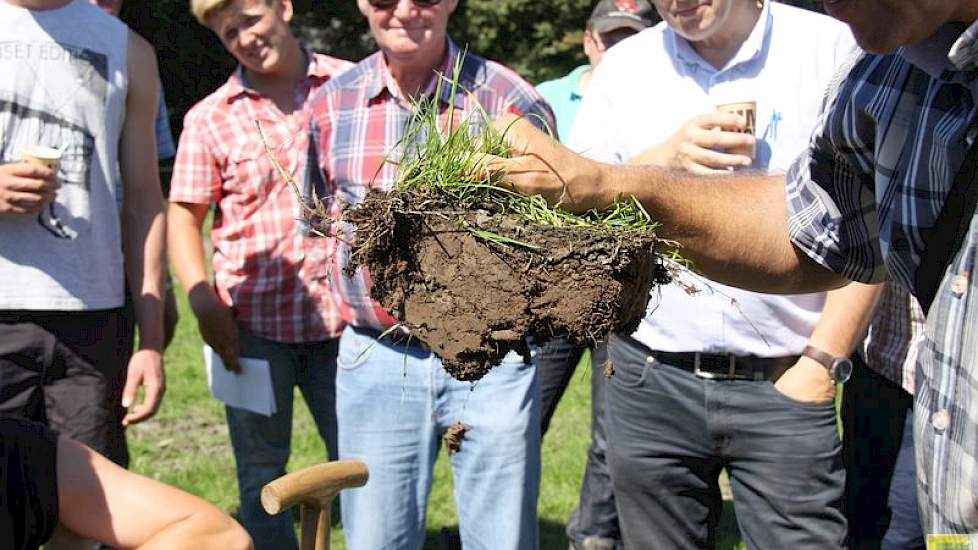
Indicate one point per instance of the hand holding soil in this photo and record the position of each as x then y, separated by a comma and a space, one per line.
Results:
551, 170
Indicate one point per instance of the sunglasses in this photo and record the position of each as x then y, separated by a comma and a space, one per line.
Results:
388, 4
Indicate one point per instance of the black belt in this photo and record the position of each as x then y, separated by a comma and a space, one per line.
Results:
724, 366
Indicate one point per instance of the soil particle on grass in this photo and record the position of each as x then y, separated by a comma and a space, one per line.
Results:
453, 437
472, 284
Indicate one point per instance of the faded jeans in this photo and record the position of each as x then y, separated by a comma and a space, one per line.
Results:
394, 403
262, 444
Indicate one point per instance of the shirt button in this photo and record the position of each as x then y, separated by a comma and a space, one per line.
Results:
650, 359
940, 420
959, 285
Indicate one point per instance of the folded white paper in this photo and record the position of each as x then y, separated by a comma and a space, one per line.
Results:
250, 389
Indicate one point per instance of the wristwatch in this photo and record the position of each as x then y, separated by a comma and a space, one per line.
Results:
840, 368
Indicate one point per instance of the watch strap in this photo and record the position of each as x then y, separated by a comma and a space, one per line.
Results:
821, 357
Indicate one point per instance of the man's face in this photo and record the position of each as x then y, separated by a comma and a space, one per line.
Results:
596, 44
254, 32
112, 7
408, 30
696, 20
881, 26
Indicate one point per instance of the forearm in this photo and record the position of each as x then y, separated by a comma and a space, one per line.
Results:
736, 232
144, 232
144, 227
845, 318
186, 245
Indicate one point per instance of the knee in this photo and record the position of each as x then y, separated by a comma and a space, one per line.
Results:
224, 532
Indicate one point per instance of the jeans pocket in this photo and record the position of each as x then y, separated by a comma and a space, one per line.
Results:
814, 405
627, 374
354, 350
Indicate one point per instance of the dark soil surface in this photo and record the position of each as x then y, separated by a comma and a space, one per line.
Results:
471, 300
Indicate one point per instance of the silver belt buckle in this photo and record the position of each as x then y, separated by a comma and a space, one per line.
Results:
731, 369
697, 372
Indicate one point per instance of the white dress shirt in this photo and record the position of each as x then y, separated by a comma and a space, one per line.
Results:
650, 85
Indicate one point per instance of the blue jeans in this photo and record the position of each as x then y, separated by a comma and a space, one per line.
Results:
394, 402
262, 444
671, 432
904, 531
881, 481
596, 516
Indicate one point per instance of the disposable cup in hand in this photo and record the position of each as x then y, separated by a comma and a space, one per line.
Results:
748, 110
41, 156
49, 157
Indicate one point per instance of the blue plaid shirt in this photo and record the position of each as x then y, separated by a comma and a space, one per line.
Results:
358, 122
893, 134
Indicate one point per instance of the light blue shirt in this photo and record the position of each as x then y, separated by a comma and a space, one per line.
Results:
564, 96
651, 84
164, 137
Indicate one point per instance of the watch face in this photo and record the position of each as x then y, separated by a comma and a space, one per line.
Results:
842, 370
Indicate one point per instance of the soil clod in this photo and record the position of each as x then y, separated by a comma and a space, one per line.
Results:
453, 437
472, 284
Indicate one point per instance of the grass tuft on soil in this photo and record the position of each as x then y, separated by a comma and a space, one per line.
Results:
472, 269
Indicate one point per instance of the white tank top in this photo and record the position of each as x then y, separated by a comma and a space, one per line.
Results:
63, 84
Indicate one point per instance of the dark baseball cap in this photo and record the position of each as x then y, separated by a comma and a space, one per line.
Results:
609, 15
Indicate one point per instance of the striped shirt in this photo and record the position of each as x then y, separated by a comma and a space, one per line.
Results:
359, 118
895, 334
893, 135
273, 274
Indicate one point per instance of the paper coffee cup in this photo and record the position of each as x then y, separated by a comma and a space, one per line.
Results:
41, 156
748, 110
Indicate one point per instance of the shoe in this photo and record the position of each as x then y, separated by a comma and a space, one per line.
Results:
595, 543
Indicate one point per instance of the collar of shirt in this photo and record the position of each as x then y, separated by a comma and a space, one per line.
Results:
751, 49
238, 85
381, 80
947, 54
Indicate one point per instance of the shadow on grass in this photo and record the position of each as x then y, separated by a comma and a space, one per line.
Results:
553, 537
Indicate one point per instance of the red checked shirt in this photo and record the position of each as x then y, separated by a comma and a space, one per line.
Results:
267, 266
360, 117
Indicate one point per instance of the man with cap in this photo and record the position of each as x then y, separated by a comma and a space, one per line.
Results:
611, 21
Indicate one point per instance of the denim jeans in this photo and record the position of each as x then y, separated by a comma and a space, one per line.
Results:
671, 432
596, 516
881, 482
394, 402
262, 444
904, 531
556, 365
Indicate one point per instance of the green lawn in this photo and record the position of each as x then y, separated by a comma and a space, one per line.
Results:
187, 445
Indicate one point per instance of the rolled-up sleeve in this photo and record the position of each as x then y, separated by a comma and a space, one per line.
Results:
832, 205
832, 208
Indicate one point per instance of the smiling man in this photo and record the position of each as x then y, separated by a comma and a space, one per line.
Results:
721, 348
271, 299
394, 398
883, 190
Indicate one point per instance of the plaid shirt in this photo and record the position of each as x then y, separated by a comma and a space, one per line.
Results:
895, 334
358, 119
894, 133
273, 274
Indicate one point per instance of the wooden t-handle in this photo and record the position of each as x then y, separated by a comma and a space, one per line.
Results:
314, 488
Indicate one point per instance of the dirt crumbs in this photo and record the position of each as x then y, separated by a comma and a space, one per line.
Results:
473, 283
453, 437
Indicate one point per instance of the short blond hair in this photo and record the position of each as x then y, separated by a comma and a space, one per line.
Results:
203, 9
